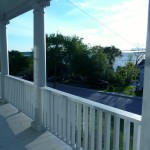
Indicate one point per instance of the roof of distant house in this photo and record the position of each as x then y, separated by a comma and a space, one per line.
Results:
141, 64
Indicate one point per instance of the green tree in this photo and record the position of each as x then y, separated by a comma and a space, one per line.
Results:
124, 75
112, 53
18, 63
62, 52
80, 64
58, 53
68, 55
29, 70
120, 76
132, 72
99, 61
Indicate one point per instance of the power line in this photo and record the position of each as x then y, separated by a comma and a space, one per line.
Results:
96, 20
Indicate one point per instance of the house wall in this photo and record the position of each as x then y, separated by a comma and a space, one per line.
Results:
141, 79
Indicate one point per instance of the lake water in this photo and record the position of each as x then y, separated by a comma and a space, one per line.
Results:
128, 56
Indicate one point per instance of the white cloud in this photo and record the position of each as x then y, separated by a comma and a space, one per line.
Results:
128, 19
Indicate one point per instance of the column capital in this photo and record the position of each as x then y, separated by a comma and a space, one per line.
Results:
41, 3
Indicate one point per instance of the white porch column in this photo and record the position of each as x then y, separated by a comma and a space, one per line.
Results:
39, 62
145, 129
3, 57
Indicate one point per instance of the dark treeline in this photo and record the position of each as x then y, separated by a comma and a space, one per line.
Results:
69, 58
19, 64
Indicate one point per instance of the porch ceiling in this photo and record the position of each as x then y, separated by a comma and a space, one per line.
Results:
13, 8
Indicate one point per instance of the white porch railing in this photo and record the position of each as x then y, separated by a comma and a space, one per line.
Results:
20, 93
89, 125
81, 123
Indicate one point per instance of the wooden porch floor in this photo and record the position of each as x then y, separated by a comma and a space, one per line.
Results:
16, 133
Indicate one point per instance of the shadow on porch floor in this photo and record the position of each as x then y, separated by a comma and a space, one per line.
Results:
16, 133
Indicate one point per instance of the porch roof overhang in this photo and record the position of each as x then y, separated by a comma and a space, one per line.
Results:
10, 9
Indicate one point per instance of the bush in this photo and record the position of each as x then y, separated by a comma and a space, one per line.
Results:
111, 88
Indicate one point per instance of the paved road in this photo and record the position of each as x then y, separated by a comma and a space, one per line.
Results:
131, 104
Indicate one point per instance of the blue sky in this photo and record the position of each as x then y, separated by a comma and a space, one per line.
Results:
122, 23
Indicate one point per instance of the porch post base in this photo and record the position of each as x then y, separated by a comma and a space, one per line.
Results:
3, 101
37, 127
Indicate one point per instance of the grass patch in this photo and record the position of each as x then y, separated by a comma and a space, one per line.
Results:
127, 90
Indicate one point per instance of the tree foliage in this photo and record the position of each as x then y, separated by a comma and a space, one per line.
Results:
64, 55
18, 63
80, 63
99, 61
124, 75
68, 56
112, 53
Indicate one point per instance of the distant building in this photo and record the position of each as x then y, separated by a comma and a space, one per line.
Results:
27, 54
141, 74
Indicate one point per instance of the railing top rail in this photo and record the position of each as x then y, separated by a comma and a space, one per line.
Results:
19, 79
115, 111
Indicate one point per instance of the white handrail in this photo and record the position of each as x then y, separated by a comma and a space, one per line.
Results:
115, 111
19, 79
